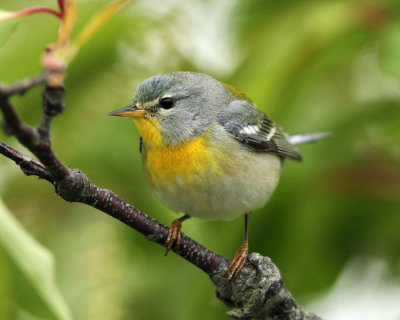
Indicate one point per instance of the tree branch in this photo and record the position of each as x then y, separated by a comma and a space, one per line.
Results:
23, 85
28, 166
258, 292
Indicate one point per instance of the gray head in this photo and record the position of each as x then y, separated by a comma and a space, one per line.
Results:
181, 104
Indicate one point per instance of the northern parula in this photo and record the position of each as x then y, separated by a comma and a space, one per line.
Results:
207, 151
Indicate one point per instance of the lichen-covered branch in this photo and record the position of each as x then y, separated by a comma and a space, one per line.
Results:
258, 292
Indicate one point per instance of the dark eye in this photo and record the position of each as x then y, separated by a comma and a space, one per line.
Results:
167, 103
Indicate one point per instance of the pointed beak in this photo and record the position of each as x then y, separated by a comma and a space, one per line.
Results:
130, 111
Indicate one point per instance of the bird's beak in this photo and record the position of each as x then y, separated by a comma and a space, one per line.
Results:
130, 111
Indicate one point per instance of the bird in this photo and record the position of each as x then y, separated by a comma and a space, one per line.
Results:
208, 151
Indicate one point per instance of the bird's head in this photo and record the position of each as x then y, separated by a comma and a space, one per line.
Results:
171, 109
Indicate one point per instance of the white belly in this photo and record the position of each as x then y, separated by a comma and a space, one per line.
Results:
242, 184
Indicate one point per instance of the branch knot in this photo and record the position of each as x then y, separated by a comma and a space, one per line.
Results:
53, 103
74, 187
258, 292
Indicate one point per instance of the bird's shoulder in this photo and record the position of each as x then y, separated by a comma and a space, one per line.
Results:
248, 125
236, 94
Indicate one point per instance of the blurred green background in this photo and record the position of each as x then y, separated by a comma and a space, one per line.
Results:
310, 65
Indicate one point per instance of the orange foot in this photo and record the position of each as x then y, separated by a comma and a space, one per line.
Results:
174, 235
238, 261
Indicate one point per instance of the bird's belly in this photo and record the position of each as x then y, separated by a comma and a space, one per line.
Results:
213, 186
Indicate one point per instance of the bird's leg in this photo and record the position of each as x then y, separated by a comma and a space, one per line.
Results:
174, 233
240, 257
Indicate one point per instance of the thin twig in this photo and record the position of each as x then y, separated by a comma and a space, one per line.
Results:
25, 12
29, 166
31, 139
23, 85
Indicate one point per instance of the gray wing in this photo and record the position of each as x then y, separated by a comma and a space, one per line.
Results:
253, 128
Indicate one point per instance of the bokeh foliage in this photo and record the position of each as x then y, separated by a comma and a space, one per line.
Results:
310, 65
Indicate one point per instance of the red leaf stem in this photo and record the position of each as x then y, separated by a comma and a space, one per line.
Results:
31, 11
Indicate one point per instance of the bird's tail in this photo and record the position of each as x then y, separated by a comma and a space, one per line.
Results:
300, 138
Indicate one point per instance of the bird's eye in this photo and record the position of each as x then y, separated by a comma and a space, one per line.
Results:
167, 103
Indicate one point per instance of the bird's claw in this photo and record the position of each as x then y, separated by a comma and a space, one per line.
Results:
238, 261
174, 235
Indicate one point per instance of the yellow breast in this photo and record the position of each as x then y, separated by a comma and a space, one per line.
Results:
187, 161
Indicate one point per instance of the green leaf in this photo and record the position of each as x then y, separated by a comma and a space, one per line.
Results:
7, 27
34, 261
